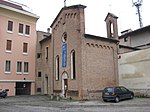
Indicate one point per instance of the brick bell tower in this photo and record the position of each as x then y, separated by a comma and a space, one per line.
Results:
111, 26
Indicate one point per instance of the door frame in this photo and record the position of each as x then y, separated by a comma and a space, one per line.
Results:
23, 88
46, 84
64, 80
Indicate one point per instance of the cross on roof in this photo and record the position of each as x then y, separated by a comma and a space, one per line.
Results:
64, 3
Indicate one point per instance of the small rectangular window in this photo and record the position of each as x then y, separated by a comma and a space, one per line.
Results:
38, 89
26, 67
20, 28
8, 45
39, 74
7, 66
46, 54
19, 67
25, 47
27, 30
39, 55
73, 67
10, 26
125, 39
57, 67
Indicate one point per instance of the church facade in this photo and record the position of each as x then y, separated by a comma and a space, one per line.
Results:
79, 65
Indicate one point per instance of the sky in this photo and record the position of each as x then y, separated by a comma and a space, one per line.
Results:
95, 13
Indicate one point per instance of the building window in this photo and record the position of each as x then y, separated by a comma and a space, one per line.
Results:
7, 66
25, 48
38, 89
19, 67
20, 28
10, 26
26, 67
8, 45
64, 37
46, 53
73, 68
27, 30
39, 55
125, 39
111, 29
39, 74
57, 67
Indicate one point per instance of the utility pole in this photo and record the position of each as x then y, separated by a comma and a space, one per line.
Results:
138, 4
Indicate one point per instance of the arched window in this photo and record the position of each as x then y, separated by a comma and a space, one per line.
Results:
111, 29
57, 67
75, 15
64, 37
73, 68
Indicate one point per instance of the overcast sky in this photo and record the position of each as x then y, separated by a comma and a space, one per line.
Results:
95, 13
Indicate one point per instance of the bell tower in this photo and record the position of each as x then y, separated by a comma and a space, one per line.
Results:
111, 26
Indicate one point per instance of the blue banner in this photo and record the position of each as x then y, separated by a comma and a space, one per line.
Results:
64, 55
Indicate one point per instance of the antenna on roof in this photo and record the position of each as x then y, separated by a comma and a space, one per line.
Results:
138, 4
64, 3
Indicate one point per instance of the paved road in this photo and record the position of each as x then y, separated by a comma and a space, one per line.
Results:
39, 103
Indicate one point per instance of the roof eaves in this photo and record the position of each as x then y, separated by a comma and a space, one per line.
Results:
19, 11
134, 48
111, 14
47, 37
101, 38
146, 28
11, 4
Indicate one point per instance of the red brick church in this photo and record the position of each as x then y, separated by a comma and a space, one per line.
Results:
73, 63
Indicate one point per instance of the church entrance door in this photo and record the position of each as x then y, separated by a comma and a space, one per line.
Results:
64, 84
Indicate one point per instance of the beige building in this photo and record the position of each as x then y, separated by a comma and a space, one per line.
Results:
138, 38
79, 65
43, 62
134, 71
133, 64
17, 49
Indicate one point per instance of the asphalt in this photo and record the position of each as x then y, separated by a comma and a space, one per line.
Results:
43, 100
39, 103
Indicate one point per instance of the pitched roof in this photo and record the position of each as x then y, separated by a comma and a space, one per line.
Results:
111, 14
129, 47
101, 38
47, 37
64, 8
17, 7
143, 29
11, 4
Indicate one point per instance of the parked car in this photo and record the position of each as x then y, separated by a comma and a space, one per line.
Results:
116, 94
3, 93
